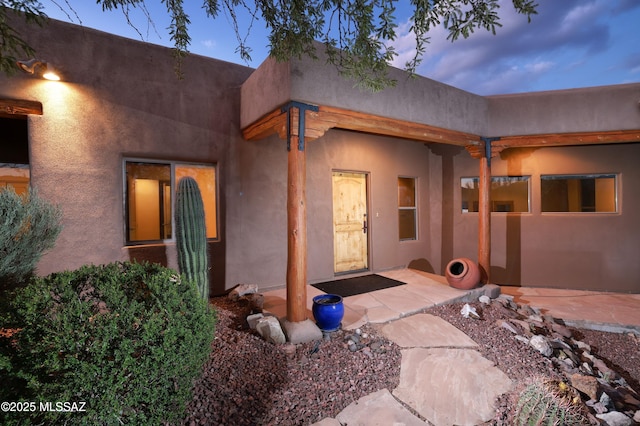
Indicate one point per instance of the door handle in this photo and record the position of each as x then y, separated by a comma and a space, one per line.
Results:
364, 224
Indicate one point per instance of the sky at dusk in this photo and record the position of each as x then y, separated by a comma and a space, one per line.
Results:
569, 44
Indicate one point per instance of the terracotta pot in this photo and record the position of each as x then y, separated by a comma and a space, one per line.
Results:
463, 273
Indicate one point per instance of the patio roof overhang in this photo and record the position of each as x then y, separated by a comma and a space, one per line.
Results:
300, 101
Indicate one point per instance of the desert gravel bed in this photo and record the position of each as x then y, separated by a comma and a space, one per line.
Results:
248, 381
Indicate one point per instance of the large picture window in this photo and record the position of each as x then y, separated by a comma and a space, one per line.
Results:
508, 194
407, 209
579, 193
149, 194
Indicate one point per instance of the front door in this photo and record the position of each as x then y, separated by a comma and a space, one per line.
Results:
350, 222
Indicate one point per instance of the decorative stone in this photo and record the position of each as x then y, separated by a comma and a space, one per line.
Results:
588, 385
636, 417
484, 299
561, 330
615, 418
507, 325
541, 344
241, 290
492, 290
252, 320
469, 311
270, 330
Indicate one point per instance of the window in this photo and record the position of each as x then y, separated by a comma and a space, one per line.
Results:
149, 198
579, 193
14, 154
508, 194
407, 209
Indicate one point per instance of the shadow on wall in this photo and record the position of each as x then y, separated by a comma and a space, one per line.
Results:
421, 264
158, 254
447, 153
153, 254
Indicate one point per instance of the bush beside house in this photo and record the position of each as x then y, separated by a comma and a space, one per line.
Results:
122, 342
125, 339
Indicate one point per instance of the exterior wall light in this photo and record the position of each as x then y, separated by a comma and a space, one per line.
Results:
46, 71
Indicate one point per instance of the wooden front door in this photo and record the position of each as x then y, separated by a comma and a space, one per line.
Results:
350, 222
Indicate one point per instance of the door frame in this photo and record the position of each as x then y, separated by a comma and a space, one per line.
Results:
367, 177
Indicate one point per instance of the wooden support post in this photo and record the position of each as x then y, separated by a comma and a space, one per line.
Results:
297, 234
484, 219
296, 211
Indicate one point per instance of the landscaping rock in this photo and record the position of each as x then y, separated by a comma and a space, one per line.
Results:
588, 385
241, 290
270, 330
541, 344
491, 290
615, 418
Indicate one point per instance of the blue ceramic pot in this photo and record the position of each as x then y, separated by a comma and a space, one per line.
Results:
328, 311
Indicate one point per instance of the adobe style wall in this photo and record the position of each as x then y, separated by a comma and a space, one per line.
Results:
257, 200
120, 98
594, 251
590, 109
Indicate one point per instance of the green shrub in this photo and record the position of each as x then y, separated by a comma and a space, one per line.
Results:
29, 226
127, 339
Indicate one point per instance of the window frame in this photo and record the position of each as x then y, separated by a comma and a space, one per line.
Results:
559, 176
172, 175
413, 208
527, 178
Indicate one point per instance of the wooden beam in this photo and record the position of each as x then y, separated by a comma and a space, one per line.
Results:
330, 117
20, 107
570, 139
274, 122
318, 123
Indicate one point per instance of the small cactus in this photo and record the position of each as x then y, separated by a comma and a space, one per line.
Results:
549, 402
191, 235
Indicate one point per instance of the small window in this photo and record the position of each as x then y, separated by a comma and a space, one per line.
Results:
407, 209
579, 193
149, 198
509, 194
14, 154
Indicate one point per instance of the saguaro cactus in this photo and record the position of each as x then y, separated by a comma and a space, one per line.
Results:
191, 235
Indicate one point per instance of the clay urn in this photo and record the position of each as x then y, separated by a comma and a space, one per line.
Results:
463, 274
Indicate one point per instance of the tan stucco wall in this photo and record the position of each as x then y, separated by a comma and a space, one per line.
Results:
597, 251
418, 99
590, 109
119, 98
257, 235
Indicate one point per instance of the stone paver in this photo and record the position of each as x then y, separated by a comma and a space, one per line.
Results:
425, 330
377, 409
450, 386
442, 376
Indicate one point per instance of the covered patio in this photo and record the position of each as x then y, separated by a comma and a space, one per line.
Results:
289, 100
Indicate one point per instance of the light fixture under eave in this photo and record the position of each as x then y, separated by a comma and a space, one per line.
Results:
45, 70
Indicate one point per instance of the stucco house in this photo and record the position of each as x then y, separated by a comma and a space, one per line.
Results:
374, 181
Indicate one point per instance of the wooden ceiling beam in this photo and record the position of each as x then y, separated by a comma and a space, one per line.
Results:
20, 107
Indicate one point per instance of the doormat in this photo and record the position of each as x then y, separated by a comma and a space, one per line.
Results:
357, 285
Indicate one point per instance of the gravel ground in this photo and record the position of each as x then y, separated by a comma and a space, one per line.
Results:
248, 381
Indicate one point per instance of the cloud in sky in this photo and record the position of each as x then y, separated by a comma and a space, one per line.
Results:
565, 39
